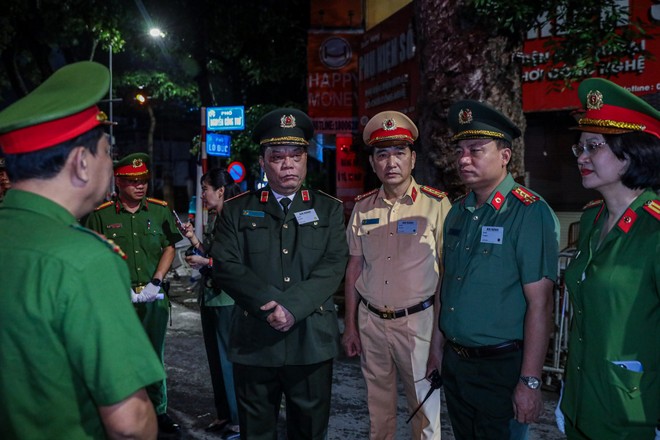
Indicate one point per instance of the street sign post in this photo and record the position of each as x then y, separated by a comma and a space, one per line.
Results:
225, 118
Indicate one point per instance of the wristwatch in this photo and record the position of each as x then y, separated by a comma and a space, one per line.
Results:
155, 281
531, 382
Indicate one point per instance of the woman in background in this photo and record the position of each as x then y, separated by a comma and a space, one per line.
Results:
215, 305
612, 388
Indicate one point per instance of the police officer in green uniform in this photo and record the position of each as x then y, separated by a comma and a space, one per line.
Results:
74, 360
146, 230
281, 255
500, 256
613, 371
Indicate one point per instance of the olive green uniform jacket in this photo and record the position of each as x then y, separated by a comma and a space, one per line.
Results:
260, 255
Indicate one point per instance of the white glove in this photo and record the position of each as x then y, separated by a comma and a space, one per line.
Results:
657, 434
134, 296
149, 294
559, 415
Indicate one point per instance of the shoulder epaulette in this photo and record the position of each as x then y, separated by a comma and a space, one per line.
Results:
524, 195
593, 203
104, 205
653, 208
365, 195
433, 192
109, 243
157, 201
328, 195
238, 195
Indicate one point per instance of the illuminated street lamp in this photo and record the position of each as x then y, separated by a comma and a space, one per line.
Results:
156, 33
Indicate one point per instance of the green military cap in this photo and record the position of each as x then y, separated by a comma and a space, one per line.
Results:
133, 165
283, 126
470, 119
62, 108
611, 109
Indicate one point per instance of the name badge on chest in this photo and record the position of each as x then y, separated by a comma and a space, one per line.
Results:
406, 227
492, 234
306, 216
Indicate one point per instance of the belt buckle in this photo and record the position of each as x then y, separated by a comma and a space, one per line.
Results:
387, 314
461, 351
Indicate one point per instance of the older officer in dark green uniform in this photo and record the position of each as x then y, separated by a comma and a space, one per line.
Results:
74, 360
146, 230
281, 254
500, 255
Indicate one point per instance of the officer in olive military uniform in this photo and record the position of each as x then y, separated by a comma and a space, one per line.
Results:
73, 356
500, 253
146, 230
281, 254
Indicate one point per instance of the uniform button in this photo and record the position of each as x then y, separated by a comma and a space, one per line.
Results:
114, 235
285, 226
580, 339
245, 313
475, 218
134, 233
453, 339
578, 282
459, 278
467, 248
139, 269
485, 252
254, 225
579, 312
285, 251
391, 233
451, 309
287, 279
578, 368
316, 223
387, 282
137, 252
634, 388
389, 258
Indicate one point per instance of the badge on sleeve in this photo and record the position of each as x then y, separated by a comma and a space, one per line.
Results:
492, 234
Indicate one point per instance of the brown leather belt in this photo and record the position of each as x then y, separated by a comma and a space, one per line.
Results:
393, 314
486, 350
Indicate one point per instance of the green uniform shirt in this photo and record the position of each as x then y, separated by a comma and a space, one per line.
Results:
69, 339
615, 291
490, 252
262, 255
142, 235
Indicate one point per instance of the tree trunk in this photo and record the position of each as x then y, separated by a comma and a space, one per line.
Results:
461, 59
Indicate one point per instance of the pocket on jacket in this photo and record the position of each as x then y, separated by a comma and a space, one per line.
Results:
625, 394
255, 233
314, 234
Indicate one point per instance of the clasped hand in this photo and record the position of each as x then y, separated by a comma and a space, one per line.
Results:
279, 318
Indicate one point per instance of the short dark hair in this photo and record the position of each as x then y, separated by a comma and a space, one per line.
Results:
643, 152
47, 163
220, 178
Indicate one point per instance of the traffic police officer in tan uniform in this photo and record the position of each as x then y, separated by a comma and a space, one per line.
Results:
392, 280
281, 254
145, 229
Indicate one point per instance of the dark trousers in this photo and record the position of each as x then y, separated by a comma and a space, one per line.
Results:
479, 396
307, 389
154, 317
215, 328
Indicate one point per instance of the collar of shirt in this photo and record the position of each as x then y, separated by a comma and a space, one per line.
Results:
279, 197
411, 195
504, 188
29, 201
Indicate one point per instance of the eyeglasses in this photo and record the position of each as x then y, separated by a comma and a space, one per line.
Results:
590, 148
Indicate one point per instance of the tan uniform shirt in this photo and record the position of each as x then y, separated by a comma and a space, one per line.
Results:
401, 243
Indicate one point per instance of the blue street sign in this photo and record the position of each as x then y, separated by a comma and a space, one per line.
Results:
225, 118
218, 144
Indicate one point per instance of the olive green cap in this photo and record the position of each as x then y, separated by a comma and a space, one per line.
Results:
283, 126
611, 109
133, 165
470, 119
62, 108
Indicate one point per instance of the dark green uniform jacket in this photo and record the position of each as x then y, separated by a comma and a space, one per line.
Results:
259, 256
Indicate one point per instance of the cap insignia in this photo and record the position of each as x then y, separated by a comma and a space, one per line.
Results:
465, 116
101, 116
594, 100
287, 121
389, 124
137, 163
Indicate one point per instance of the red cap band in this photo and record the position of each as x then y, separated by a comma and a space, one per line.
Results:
137, 168
44, 135
382, 135
617, 117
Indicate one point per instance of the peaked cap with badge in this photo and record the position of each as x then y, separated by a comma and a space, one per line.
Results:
611, 109
283, 126
132, 165
389, 128
470, 119
62, 108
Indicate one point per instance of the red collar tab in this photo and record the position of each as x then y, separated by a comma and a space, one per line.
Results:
305, 195
653, 208
524, 195
629, 217
498, 200
264, 197
50, 133
413, 194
